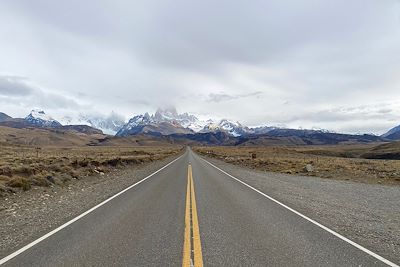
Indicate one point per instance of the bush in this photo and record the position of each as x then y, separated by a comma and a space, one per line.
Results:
84, 163
19, 182
5, 170
55, 168
113, 162
4, 178
95, 163
39, 180
24, 170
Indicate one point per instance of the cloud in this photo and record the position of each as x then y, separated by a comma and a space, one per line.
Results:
303, 61
14, 86
219, 97
352, 119
23, 93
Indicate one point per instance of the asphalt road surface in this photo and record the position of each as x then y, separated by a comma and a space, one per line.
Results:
192, 214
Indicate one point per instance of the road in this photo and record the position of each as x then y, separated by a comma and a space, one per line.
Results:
191, 213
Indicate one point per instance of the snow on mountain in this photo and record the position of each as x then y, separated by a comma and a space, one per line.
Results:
41, 119
167, 114
108, 124
185, 120
224, 125
168, 120
137, 120
164, 121
154, 124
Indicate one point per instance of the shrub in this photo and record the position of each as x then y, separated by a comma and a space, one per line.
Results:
55, 168
24, 170
39, 180
5, 170
19, 182
95, 163
84, 163
4, 178
113, 162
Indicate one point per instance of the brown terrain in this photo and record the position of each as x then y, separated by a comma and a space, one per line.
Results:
66, 137
42, 157
367, 163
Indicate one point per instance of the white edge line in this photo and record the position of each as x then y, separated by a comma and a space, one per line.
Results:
19, 251
373, 254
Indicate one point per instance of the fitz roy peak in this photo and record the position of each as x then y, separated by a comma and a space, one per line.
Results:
163, 122
169, 121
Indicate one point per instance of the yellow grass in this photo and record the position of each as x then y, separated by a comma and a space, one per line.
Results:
24, 167
325, 161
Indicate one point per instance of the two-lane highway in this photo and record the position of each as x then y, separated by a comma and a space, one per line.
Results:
192, 213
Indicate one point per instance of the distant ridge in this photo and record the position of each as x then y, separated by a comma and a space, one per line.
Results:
39, 119
186, 128
4, 117
393, 134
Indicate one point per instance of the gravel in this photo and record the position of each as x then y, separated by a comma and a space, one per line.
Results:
25, 216
365, 213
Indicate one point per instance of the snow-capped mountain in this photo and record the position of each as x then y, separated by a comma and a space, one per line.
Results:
185, 128
185, 120
224, 125
146, 124
138, 120
169, 121
40, 119
110, 124
164, 121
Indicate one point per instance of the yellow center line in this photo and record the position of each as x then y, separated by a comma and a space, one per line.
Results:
187, 241
191, 228
198, 256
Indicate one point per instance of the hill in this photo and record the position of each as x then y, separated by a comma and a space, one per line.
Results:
46, 137
4, 117
393, 134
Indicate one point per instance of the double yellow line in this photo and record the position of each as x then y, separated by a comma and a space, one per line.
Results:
191, 257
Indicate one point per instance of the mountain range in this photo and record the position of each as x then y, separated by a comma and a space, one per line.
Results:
109, 125
186, 128
168, 121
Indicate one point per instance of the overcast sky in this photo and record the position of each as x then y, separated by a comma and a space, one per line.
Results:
324, 64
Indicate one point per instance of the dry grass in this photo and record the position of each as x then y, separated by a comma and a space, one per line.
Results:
338, 162
22, 167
